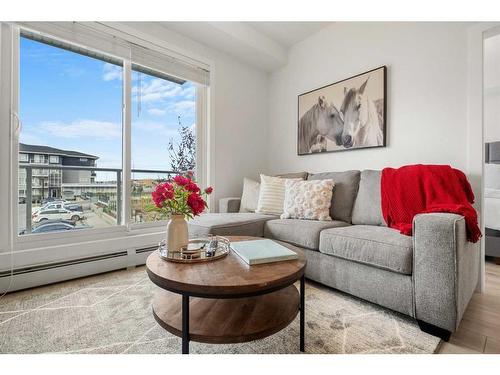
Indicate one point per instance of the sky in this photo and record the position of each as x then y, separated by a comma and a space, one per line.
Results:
74, 102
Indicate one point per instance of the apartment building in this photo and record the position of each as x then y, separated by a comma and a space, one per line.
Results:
51, 182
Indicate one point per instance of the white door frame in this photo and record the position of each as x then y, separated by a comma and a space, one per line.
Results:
475, 128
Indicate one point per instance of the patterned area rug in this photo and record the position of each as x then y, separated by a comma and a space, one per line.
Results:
111, 313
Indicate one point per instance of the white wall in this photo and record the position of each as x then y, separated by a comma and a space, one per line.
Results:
426, 93
492, 89
240, 118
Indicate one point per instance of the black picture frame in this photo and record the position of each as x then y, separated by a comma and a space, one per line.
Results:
316, 92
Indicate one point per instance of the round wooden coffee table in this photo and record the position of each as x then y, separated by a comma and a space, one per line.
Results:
227, 301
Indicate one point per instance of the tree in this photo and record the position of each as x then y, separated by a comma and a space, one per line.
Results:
183, 154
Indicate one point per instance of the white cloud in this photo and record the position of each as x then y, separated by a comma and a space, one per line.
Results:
189, 92
29, 138
156, 90
112, 72
183, 107
83, 128
156, 111
157, 128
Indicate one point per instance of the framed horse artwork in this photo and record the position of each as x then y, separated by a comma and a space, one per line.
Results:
345, 115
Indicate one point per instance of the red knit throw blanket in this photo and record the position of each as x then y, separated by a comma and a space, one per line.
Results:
416, 189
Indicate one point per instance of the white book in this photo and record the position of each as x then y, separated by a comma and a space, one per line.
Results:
262, 251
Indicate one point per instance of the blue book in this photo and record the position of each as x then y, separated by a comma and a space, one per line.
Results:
262, 251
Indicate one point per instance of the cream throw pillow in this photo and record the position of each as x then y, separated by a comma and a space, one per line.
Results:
308, 199
272, 194
250, 196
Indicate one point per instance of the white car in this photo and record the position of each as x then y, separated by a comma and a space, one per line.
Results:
56, 214
54, 205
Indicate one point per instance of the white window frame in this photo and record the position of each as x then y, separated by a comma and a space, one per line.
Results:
127, 228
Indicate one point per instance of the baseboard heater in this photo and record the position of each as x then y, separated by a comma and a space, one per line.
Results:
48, 266
146, 250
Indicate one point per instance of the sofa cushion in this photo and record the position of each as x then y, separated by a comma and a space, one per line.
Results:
303, 233
380, 247
367, 208
344, 192
272, 195
250, 195
309, 200
251, 189
227, 224
302, 175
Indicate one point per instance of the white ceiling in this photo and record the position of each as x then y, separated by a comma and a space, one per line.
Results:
288, 33
261, 44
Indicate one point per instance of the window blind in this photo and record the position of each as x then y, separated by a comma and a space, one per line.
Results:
82, 38
149, 61
77, 38
71, 47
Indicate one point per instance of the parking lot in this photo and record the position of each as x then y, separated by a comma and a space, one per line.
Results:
94, 216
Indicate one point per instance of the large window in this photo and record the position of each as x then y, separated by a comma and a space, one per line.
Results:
100, 127
71, 110
163, 135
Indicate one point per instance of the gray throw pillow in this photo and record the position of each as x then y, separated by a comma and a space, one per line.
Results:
344, 192
302, 175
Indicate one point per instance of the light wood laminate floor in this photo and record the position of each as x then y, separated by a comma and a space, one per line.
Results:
479, 331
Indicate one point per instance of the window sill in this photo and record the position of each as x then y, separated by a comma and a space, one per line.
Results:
37, 240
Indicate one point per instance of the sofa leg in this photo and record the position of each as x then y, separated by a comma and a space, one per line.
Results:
433, 330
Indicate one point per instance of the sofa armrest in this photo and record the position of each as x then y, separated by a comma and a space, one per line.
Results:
445, 269
229, 205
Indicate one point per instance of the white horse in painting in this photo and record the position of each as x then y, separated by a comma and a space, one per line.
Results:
362, 122
321, 122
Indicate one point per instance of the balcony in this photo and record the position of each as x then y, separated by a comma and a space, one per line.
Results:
100, 202
40, 172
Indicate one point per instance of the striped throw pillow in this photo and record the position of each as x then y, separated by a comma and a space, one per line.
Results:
272, 195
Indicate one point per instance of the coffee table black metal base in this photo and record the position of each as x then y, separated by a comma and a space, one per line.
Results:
183, 330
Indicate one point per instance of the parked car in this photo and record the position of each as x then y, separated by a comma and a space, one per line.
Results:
45, 204
74, 207
51, 200
55, 226
56, 214
55, 205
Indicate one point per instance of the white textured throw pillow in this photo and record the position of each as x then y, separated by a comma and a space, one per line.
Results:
250, 196
272, 194
308, 200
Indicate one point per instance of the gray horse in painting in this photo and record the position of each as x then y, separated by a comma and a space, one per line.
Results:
362, 121
323, 121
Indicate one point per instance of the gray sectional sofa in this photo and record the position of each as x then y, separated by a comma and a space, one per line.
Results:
430, 276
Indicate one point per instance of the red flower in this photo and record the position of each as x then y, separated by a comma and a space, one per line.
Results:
209, 190
196, 202
181, 180
168, 194
162, 193
191, 186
